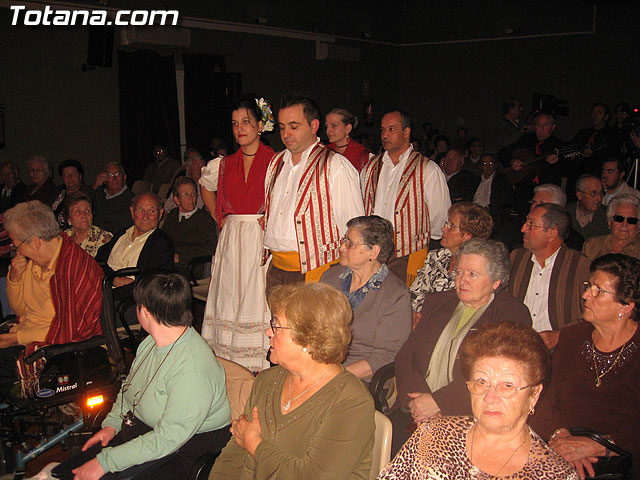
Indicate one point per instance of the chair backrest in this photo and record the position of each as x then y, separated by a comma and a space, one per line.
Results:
163, 191
382, 445
239, 382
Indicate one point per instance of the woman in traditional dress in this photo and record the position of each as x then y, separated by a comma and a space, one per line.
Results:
237, 314
339, 124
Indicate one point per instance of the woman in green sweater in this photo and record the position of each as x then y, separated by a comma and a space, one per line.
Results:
173, 405
307, 417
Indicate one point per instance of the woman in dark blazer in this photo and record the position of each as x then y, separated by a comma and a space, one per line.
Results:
380, 301
428, 376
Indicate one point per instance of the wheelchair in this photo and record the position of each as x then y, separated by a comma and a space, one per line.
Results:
75, 390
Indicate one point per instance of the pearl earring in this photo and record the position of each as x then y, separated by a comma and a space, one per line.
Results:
305, 349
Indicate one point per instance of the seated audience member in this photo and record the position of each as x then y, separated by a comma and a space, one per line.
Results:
42, 187
112, 203
143, 245
595, 368
550, 193
308, 417
162, 169
464, 221
72, 175
173, 406
613, 173
193, 164
12, 187
380, 301
428, 374
339, 124
509, 129
547, 275
462, 183
475, 149
192, 230
441, 144
588, 215
78, 214
494, 191
622, 212
504, 365
54, 287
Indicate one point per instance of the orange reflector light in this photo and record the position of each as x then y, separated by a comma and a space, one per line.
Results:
93, 401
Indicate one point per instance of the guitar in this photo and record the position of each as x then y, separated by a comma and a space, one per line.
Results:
532, 162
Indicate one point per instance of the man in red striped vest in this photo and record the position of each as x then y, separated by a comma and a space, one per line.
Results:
410, 191
310, 194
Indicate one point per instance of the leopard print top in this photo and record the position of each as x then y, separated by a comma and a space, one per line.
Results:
437, 450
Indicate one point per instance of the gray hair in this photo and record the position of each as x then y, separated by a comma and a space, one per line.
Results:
43, 161
375, 230
495, 254
118, 165
556, 217
186, 157
153, 196
557, 195
620, 199
32, 219
582, 180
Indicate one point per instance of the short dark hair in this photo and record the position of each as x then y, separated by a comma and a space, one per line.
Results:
70, 162
626, 271
511, 340
13, 165
620, 164
309, 108
508, 103
248, 102
405, 119
473, 140
167, 296
375, 230
440, 138
72, 198
184, 181
607, 110
556, 217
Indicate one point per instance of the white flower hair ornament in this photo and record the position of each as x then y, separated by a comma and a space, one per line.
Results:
267, 115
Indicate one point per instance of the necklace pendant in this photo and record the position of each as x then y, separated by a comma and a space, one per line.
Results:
598, 382
287, 406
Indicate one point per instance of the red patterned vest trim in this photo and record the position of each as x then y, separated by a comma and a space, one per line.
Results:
411, 213
316, 230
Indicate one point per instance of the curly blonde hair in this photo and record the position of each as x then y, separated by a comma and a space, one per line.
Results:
319, 317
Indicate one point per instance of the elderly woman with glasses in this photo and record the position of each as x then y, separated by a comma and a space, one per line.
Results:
622, 212
595, 370
307, 417
428, 375
464, 221
380, 301
504, 365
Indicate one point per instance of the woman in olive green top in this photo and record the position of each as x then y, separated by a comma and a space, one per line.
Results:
306, 417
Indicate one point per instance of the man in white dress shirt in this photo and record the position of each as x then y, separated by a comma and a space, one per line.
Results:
311, 193
410, 191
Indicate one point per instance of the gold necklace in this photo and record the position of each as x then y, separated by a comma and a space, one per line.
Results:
595, 365
508, 459
287, 405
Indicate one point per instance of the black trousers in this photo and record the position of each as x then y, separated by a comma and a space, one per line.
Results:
175, 465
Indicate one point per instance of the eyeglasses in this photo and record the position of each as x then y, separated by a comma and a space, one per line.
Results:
275, 327
594, 193
484, 164
188, 194
349, 244
450, 225
528, 225
480, 386
595, 289
622, 218
17, 247
111, 175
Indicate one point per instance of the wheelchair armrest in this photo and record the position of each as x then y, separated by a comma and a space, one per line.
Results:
195, 262
51, 351
376, 387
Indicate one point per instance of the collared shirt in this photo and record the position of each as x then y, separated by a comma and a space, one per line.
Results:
537, 297
623, 188
30, 299
346, 201
583, 217
483, 194
127, 249
374, 283
185, 216
435, 189
108, 196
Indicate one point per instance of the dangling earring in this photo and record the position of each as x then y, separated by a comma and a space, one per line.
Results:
532, 410
619, 316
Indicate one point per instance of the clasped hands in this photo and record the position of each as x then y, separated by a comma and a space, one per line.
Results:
580, 452
247, 433
422, 407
